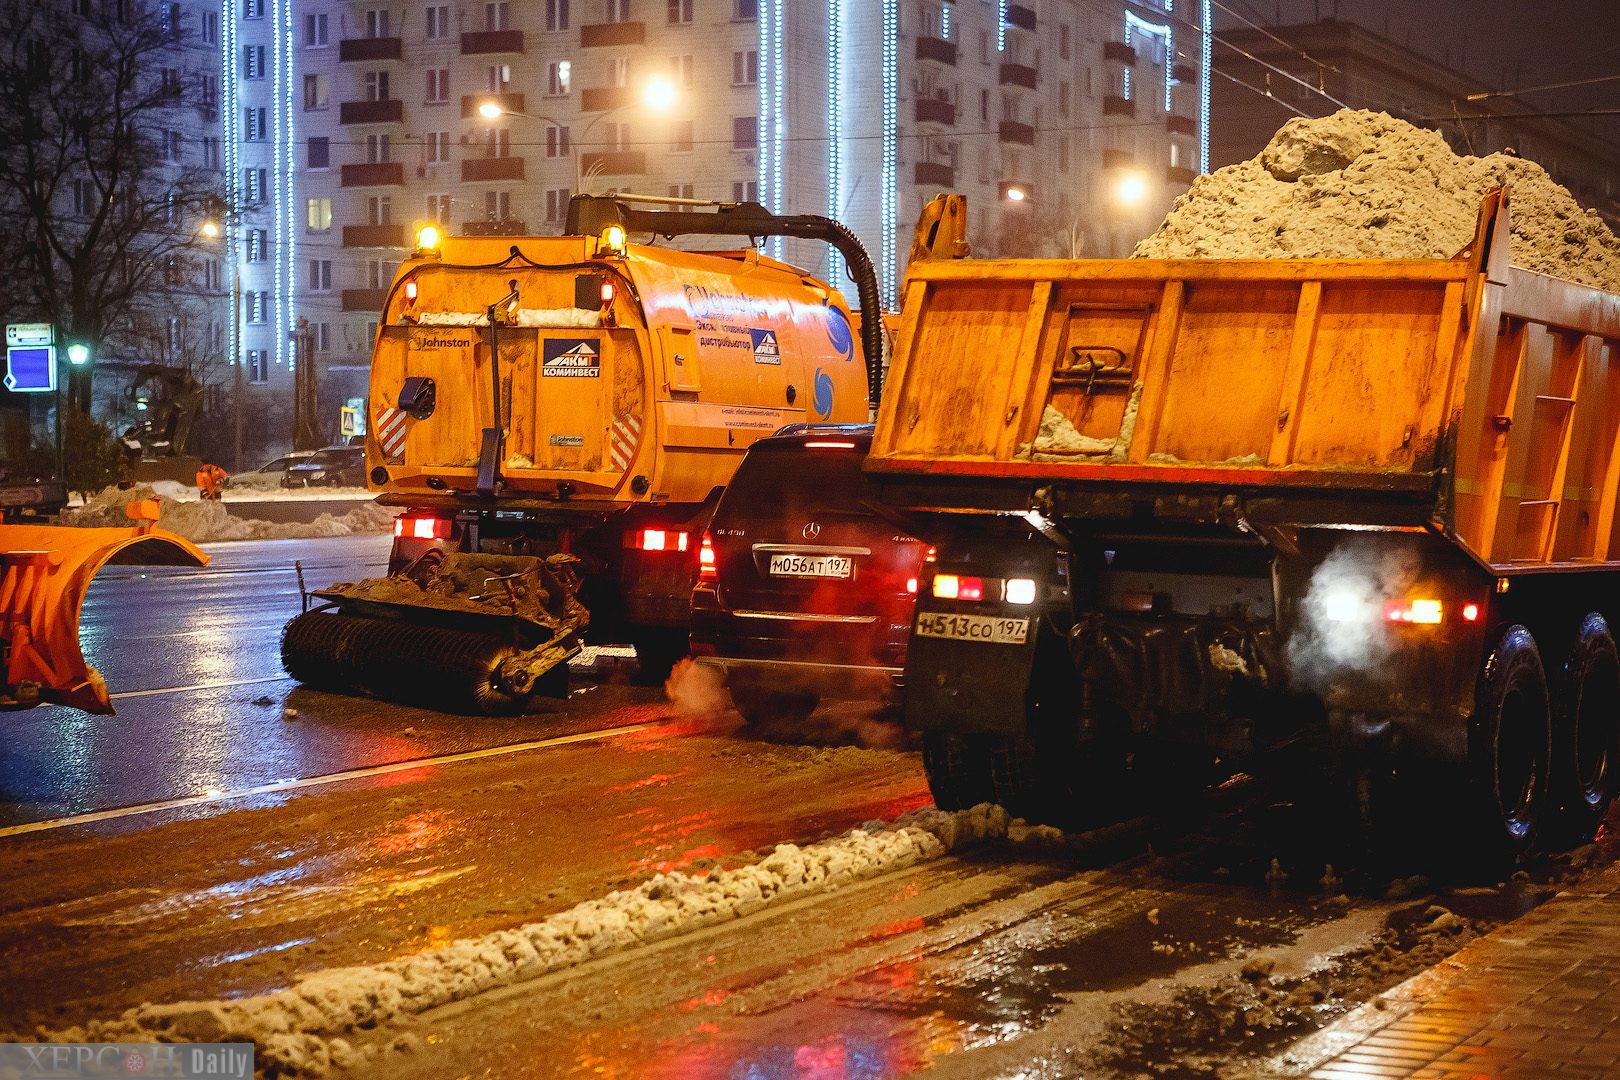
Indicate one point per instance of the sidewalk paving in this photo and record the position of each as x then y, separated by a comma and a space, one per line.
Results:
1538, 997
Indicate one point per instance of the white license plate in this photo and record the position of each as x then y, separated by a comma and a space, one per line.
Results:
972, 628
825, 566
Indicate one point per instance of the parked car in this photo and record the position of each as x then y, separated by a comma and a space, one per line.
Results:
336, 466
805, 590
271, 473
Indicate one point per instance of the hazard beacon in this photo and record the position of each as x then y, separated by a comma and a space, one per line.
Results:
557, 417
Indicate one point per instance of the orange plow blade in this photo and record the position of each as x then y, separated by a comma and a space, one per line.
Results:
46, 572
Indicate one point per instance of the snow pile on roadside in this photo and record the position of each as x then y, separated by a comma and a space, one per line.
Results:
299, 1030
1360, 185
206, 522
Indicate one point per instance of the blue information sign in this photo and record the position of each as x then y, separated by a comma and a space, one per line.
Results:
30, 369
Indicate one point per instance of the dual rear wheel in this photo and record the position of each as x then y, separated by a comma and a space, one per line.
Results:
1546, 751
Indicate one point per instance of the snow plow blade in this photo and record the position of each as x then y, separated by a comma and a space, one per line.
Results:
463, 633
47, 569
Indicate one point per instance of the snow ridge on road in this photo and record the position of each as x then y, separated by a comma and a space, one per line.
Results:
299, 1031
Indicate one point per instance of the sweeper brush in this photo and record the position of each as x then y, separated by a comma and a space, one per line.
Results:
462, 632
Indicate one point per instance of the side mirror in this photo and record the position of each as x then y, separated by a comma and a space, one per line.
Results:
418, 397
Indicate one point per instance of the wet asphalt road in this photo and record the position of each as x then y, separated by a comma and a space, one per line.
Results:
192, 660
1107, 960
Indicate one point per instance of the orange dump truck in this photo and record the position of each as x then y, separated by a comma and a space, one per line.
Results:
558, 415
1193, 516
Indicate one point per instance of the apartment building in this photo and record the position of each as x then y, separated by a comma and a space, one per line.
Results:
352, 122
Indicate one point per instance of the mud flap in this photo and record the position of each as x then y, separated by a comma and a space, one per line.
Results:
963, 687
46, 571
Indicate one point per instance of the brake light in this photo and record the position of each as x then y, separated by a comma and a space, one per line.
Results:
911, 586
1427, 612
829, 445
1470, 612
707, 570
424, 528
1020, 590
955, 587
931, 555
660, 540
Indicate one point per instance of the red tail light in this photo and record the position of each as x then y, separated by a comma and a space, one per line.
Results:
707, 570
956, 587
424, 528
829, 445
931, 555
659, 540
911, 586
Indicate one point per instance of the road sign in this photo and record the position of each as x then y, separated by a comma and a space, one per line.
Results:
30, 333
30, 369
346, 418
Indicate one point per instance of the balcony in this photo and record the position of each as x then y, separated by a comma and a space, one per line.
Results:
374, 173
940, 52
614, 163
372, 48
1175, 174
474, 170
1119, 52
1185, 73
1014, 132
613, 33
388, 111
935, 111
1114, 105
1118, 159
508, 102
364, 299
1021, 16
373, 236
934, 172
495, 227
1180, 125
604, 98
1018, 75
484, 42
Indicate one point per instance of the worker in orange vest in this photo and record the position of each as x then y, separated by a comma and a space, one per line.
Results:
211, 481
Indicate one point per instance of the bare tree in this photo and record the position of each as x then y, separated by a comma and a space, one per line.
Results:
99, 211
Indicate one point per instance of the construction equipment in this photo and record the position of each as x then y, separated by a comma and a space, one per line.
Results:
47, 569
561, 413
1192, 516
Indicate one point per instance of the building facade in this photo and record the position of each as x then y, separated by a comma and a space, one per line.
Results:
350, 123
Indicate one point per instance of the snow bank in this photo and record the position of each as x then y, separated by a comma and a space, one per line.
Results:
299, 1030
205, 522
1365, 185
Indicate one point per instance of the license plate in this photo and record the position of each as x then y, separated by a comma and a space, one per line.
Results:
985, 628
824, 566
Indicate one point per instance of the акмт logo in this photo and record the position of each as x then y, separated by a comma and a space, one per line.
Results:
571, 358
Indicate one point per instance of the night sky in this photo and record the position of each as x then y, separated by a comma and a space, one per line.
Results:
1502, 43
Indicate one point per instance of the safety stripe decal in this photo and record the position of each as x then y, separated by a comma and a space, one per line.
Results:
625, 434
391, 434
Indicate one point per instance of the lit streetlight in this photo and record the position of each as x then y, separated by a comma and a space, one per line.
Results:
1131, 189
658, 95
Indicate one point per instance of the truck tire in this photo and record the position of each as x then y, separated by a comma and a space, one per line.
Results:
1592, 711
958, 769
1512, 750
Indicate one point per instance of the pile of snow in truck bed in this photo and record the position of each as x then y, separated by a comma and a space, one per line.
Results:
1360, 184
300, 1031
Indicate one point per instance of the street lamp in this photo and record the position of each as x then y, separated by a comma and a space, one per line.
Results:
1016, 194
78, 354
658, 95
1131, 189
212, 230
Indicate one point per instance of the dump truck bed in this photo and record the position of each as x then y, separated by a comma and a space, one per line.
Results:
1464, 395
